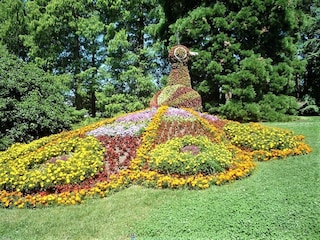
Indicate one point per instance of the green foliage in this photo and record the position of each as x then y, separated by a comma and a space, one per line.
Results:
246, 50
111, 102
118, 103
132, 64
255, 91
237, 110
278, 108
310, 110
67, 37
308, 107
190, 155
311, 52
269, 108
13, 21
256, 43
31, 102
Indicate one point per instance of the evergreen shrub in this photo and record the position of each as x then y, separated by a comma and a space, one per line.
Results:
32, 104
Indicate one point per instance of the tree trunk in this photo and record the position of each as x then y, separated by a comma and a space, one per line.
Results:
92, 88
77, 70
93, 103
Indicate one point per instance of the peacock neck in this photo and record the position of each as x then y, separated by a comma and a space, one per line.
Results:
179, 74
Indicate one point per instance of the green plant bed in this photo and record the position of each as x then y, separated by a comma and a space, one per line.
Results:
190, 155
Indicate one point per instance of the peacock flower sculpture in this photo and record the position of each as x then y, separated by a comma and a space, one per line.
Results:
170, 145
178, 91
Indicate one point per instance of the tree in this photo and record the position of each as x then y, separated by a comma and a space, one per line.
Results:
311, 52
132, 64
173, 10
31, 102
96, 42
13, 25
236, 40
66, 37
116, 49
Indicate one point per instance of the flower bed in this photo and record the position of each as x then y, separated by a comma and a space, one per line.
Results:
69, 161
265, 143
161, 148
190, 155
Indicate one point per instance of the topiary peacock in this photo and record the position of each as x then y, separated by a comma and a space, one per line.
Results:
178, 91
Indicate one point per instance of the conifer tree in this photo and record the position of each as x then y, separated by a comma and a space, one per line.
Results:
311, 52
132, 63
13, 24
248, 63
65, 37
248, 67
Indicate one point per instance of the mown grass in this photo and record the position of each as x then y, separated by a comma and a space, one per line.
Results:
279, 201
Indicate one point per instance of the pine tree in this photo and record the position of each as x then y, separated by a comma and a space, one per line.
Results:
132, 62
311, 52
247, 55
65, 37
13, 24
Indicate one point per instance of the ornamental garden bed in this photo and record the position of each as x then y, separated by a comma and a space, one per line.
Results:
161, 147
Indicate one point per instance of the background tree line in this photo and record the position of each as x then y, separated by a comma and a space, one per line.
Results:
258, 60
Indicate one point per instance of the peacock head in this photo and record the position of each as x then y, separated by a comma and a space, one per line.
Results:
180, 53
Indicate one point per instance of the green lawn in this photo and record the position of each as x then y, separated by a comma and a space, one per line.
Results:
281, 200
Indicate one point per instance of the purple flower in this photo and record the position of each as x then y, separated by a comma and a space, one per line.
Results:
119, 128
177, 112
191, 148
139, 116
209, 117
